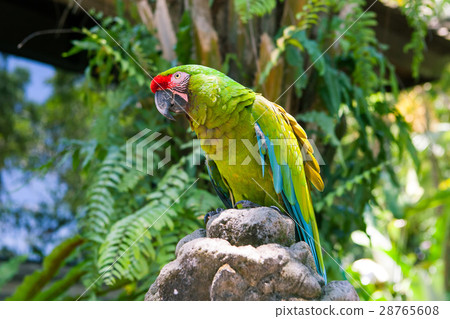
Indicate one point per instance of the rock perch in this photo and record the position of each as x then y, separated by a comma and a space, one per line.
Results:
247, 254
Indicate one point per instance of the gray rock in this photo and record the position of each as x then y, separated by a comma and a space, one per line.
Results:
227, 284
256, 227
339, 291
199, 233
231, 264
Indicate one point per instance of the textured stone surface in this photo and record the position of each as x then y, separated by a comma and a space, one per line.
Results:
256, 227
227, 284
339, 291
199, 233
230, 264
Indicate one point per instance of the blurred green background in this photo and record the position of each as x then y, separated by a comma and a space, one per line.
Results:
376, 108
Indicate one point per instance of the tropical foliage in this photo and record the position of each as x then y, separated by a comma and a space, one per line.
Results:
321, 60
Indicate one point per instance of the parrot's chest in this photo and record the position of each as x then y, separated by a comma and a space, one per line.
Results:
239, 163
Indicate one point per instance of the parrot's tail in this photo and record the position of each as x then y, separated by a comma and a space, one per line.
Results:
307, 232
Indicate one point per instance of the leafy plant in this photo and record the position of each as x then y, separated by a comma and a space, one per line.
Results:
330, 72
33, 284
416, 19
250, 8
10, 268
133, 242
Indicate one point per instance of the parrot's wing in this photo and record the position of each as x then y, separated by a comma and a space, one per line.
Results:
219, 184
312, 168
283, 150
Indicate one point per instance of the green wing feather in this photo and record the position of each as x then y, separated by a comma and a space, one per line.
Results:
290, 176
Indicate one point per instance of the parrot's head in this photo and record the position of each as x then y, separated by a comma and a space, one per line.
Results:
171, 92
176, 89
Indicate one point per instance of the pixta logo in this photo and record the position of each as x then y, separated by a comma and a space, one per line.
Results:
141, 151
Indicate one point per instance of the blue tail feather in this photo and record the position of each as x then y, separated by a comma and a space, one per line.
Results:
303, 229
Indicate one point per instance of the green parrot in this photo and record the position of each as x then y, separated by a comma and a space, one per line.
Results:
253, 146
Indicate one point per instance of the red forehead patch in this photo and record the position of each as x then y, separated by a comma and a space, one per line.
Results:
160, 82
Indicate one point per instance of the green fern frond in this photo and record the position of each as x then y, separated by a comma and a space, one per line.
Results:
413, 12
310, 13
248, 9
128, 248
130, 179
294, 36
360, 44
100, 207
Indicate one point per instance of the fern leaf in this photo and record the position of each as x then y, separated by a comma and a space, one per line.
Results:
247, 9
127, 249
100, 207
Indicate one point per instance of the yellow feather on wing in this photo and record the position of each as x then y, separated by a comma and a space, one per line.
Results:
312, 168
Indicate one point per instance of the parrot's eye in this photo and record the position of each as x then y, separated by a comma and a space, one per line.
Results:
177, 75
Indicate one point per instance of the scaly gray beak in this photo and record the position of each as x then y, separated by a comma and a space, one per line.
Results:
164, 100
167, 101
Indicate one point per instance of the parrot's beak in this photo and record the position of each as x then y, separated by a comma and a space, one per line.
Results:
168, 101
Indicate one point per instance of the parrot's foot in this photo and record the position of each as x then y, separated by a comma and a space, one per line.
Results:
276, 208
246, 204
210, 214
249, 204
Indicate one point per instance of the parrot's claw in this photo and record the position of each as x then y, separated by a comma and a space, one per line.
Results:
210, 214
246, 204
276, 208
249, 204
